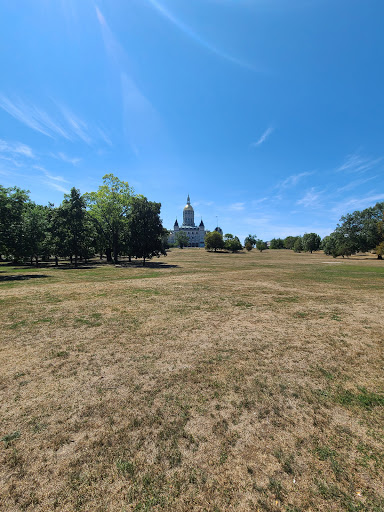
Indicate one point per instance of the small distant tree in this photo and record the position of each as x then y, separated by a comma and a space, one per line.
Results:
311, 242
250, 239
298, 245
379, 249
213, 240
232, 243
261, 246
289, 242
276, 243
182, 239
248, 246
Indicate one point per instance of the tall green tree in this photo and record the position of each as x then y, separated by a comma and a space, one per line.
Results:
109, 207
145, 228
311, 242
35, 230
74, 226
13, 204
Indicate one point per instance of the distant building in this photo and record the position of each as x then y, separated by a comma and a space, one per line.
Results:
195, 234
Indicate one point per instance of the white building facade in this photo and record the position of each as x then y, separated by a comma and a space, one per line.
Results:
195, 234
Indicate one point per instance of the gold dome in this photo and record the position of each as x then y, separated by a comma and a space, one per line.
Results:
188, 207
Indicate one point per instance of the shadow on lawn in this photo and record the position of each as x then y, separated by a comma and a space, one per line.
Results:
21, 277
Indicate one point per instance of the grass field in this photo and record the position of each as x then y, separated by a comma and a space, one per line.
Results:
203, 382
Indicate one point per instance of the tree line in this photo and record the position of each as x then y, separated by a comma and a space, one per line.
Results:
113, 221
360, 231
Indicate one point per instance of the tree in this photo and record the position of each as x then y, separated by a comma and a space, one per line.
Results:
146, 229
261, 246
311, 242
379, 249
214, 240
109, 208
250, 239
298, 245
360, 229
182, 239
248, 246
276, 243
73, 215
13, 203
289, 242
232, 243
35, 230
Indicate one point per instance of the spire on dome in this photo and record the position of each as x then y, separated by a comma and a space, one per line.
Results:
188, 200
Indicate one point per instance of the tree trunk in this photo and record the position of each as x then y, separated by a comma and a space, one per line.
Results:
129, 258
31, 261
71, 259
144, 262
108, 252
76, 260
56, 261
37, 260
379, 257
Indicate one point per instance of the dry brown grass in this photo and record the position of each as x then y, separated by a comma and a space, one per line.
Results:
210, 382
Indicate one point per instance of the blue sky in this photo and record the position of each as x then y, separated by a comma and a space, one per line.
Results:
269, 113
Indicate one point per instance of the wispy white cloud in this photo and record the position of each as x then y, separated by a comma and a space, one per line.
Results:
355, 183
196, 37
359, 203
310, 199
62, 123
47, 174
142, 124
263, 137
292, 180
356, 163
77, 126
237, 207
66, 158
257, 202
33, 117
16, 148
56, 186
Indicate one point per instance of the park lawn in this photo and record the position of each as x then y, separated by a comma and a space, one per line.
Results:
203, 381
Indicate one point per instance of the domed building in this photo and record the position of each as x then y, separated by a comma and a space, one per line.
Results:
195, 234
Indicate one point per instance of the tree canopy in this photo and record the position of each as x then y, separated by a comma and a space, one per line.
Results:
214, 240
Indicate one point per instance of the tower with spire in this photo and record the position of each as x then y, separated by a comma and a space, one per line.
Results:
195, 234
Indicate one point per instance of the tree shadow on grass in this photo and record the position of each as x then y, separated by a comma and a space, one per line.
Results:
148, 264
21, 277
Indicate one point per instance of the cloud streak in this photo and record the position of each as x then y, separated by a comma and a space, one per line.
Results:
195, 37
292, 180
310, 199
237, 207
16, 149
355, 163
65, 124
263, 138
